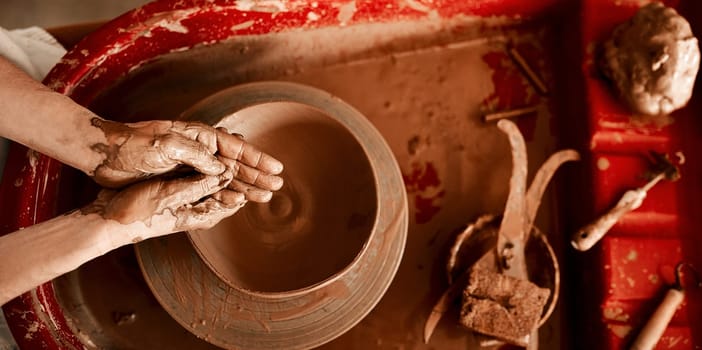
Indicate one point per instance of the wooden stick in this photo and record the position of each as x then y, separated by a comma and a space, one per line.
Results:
509, 114
534, 78
656, 325
444, 303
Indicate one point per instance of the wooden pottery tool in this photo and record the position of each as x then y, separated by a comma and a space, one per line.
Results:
590, 234
652, 331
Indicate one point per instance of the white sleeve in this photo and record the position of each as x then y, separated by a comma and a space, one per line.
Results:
32, 49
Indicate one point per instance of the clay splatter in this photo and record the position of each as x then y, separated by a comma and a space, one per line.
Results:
423, 182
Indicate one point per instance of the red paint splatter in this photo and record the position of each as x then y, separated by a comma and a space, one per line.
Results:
426, 208
512, 88
423, 177
510, 85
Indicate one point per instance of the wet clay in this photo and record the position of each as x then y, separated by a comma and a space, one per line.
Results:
337, 290
316, 224
230, 172
653, 60
133, 152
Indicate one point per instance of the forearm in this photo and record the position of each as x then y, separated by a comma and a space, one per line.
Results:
148, 209
46, 121
42, 252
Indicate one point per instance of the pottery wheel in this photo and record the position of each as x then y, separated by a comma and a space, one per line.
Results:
197, 298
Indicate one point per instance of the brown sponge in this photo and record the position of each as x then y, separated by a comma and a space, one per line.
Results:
501, 306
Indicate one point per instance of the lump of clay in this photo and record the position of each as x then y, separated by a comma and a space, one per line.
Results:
653, 60
501, 306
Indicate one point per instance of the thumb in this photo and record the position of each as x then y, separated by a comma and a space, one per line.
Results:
190, 152
210, 211
188, 190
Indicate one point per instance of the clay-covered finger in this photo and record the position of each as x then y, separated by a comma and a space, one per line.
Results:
196, 131
251, 193
252, 176
225, 130
145, 199
229, 198
184, 191
190, 152
234, 147
205, 214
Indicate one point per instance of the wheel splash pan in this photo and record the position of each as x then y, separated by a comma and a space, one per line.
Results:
422, 73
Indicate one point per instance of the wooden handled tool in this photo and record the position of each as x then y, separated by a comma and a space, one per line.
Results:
589, 235
655, 326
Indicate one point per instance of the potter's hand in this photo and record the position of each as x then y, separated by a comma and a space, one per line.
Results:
256, 186
147, 209
165, 206
135, 151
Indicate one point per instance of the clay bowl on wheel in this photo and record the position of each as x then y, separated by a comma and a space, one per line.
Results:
316, 226
305, 267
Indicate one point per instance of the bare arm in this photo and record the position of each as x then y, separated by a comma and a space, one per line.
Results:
144, 210
113, 153
46, 121
43, 251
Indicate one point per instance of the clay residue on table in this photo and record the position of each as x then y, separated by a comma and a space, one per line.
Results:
116, 277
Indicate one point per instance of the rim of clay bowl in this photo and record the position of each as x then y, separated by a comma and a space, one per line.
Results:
230, 318
213, 109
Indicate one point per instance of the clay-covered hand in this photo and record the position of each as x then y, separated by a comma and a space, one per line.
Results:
144, 210
135, 151
165, 206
